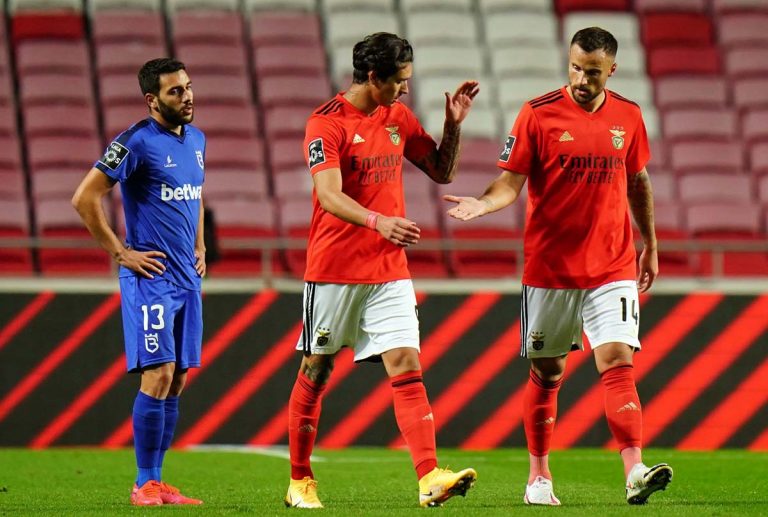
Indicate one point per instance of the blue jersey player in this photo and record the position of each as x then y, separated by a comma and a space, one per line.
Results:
159, 163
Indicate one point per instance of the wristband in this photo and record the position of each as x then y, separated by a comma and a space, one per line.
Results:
370, 221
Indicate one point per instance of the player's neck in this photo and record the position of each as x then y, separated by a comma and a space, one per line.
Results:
170, 127
359, 96
591, 106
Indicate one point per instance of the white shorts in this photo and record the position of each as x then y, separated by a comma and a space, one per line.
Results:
552, 320
369, 318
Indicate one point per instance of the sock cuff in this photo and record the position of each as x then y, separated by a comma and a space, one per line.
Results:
541, 383
407, 378
149, 401
618, 369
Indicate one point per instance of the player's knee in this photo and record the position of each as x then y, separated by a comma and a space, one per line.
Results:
549, 369
317, 367
401, 360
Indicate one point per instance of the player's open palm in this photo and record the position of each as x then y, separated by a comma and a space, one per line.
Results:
466, 207
457, 106
142, 262
398, 230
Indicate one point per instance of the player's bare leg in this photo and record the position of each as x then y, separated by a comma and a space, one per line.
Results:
415, 420
303, 417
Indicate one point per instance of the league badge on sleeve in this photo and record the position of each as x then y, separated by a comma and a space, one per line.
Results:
114, 155
316, 152
508, 145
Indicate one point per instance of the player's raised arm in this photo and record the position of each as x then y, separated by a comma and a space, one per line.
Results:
442, 163
87, 201
503, 191
640, 196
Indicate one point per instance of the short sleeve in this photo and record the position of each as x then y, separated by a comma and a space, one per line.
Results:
639, 151
520, 148
418, 143
120, 159
322, 142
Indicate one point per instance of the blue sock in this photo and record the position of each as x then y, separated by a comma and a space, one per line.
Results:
171, 417
148, 423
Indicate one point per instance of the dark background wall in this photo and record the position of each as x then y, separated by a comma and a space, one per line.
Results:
702, 375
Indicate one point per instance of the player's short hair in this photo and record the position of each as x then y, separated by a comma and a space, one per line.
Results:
382, 53
149, 75
595, 38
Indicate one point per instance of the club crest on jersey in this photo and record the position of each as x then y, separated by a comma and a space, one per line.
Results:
114, 155
393, 134
508, 145
151, 342
200, 162
618, 138
316, 153
323, 336
537, 340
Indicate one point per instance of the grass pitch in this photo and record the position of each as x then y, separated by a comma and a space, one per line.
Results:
371, 481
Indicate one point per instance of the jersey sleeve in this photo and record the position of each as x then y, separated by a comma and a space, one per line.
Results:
418, 143
639, 151
322, 145
121, 158
521, 147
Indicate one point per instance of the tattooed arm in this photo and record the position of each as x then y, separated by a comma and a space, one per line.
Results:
441, 164
640, 196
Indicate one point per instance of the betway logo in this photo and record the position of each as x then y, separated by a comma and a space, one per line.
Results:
186, 192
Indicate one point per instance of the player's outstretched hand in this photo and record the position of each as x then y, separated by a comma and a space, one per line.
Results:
647, 269
142, 262
457, 106
466, 207
200, 265
398, 230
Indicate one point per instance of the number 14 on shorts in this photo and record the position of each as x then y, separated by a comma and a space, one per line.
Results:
633, 311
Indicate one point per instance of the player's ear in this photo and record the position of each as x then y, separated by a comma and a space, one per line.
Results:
373, 79
612, 70
151, 101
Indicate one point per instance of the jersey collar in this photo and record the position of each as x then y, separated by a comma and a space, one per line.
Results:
591, 116
163, 129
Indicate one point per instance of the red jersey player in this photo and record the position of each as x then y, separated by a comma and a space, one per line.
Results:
358, 291
583, 150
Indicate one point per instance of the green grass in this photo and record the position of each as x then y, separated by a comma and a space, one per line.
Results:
370, 481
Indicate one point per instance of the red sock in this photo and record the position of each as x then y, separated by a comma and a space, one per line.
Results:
539, 413
414, 418
303, 415
622, 406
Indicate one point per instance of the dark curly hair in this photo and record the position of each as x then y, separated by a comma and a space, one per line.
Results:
595, 38
149, 75
382, 53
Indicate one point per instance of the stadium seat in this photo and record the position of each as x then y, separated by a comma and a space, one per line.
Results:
224, 184
293, 91
295, 217
47, 24
45, 152
246, 154
543, 61
630, 62
480, 153
643, 6
289, 60
762, 192
750, 93
441, 28
424, 262
128, 26
520, 6
285, 28
148, 5
670, 231
429, 91
368, 6
126, 58
743, 29
705, 187
56, 218
624, 26
58, 183
659, 158
15, 6
56, 119
690, 124
741, 62
7, 120
6, 89
14, 224
461, 6
10, 154
664, 186
729, 6
758, 158
513, 92
216, 120
286, 5
416, 184
54, 88
212, 58
724, 157
181, 5
483, 123
513, 28
754, 126
52, 56
12, 184
286, 153
636, 89
205, 25
285, 121
119, 118
229, 89
664, 29
444, 60
697, 91
347, 28
565, 6
293, 182
683, 60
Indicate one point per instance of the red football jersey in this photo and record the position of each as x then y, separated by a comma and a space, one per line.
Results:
369, 151
578, 233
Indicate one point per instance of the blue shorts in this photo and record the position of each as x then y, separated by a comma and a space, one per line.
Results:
162, 323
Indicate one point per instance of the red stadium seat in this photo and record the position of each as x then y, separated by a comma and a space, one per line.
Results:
697, 91
10, 153
53, 88
52, 56
292, 183
723, 157
12, 184
59, 183
286, 153
119, 118
62, 151
749, 61
479, 153
416, 184
233, 153
128, 25
670, 231
758, 158
731, 6
659, 158
743, 29
126, 57
289, 59
6, 90
683, 60
47, 25
237, 121
7, 120
224, 184
293, 91
295, 218
664, 186
230, 89
712, 187
664, 29
208, 26
750, 93
285, 28
425, 263
57, 119
286, 121
211, 58
121, 90
754, 126
689, 124
647, 6
565, 6
762, 191
14, 224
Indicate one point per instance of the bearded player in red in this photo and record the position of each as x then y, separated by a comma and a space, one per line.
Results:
583, 149
358, 291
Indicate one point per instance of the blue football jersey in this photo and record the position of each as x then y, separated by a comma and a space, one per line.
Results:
161, 176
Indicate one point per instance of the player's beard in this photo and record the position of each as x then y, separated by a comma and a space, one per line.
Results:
589, 95
172, 116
